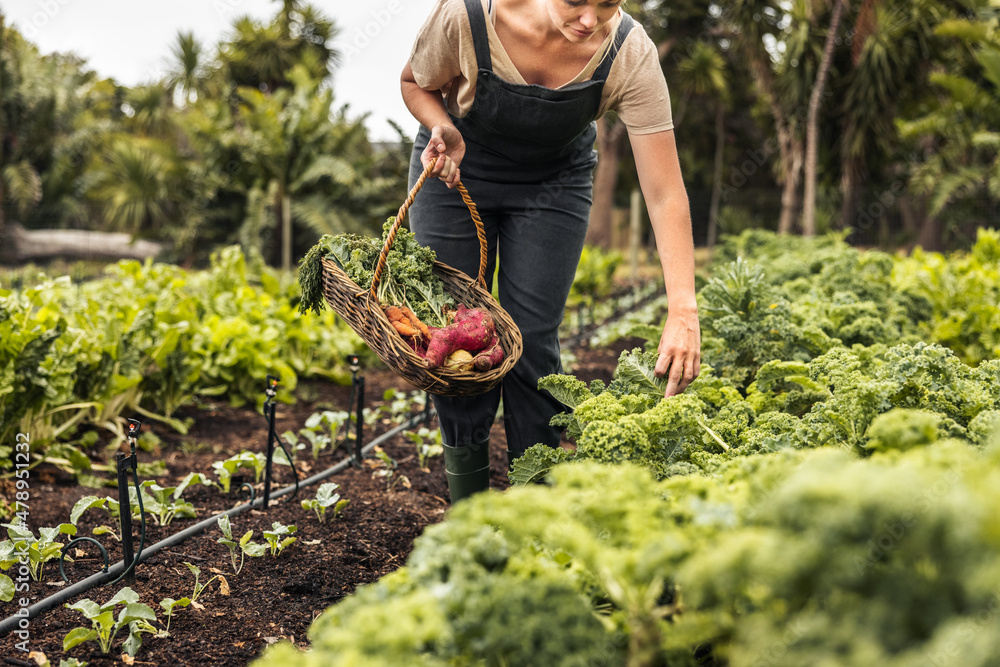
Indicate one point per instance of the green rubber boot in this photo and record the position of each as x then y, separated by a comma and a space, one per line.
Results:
467, 469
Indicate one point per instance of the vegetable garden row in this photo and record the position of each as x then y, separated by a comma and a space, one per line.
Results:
823, 494
820, 495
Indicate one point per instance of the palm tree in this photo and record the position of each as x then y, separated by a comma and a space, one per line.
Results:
756, 26
185, 76
964, 121
261, 56
703, 74
891, 54
812, 122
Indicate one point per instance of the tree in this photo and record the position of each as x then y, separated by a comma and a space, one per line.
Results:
703, 75
963, 118
812, 121
755, 27
302, 153
892, 53
185, 78
261, 56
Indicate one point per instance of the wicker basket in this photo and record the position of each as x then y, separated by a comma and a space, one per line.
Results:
361, 310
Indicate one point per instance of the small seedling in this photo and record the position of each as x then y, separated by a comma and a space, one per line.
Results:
400, 404
6, 588
104, 627
385, 467
428, 442
225, 470
326, 497
244, 545
274, 536
170, 604
198, 588
320, 430
109, 505
163, 503
39, 550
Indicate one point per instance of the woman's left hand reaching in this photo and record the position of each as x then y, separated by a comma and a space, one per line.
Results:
680, 351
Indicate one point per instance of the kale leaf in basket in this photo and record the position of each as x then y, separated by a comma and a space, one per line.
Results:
408, 279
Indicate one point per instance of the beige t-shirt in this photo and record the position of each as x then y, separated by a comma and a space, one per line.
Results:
443, 58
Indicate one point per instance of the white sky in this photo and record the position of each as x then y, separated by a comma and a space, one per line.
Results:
130, 40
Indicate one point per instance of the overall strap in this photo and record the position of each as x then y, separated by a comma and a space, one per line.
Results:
624, 28
480, 38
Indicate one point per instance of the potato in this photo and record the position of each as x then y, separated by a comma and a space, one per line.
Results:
460, 360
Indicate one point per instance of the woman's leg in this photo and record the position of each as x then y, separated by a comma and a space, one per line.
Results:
540, 241
441, 221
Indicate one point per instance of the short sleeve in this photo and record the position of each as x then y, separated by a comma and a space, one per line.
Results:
443, 57
638, 90
434, 58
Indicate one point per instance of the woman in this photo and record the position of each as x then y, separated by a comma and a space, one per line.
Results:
506, 92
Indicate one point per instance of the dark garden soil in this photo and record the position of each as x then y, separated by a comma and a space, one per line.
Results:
272, 598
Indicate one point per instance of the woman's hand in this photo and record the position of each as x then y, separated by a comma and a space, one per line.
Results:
446, 144
680, 351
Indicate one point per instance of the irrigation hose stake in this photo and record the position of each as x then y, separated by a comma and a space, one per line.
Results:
10, 624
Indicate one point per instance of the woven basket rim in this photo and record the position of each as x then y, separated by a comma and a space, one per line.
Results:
400, 357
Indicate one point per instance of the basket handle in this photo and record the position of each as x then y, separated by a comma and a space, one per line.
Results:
480, 232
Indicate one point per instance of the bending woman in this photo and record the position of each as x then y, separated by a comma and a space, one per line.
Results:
507, 92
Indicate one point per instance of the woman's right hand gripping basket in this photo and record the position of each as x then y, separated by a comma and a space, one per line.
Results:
433, 325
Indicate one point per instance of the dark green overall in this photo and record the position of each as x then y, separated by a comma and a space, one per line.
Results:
529, 167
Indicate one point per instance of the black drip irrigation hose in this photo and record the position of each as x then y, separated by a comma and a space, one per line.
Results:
11, 623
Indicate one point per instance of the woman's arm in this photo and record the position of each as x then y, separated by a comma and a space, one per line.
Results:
667, 202
427, 106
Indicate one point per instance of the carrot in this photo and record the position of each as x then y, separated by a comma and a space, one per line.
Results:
400, 322
415, 322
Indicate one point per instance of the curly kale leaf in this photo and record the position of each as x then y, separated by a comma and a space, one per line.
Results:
407, 279
634, 375
534, 465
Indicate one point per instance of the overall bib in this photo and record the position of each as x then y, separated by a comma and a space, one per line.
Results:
529, 167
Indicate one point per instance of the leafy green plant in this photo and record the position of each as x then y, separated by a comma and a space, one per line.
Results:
244, 546
428, 443
199, 588
225, 470
278, 537
109, 505
6, 588
170, 605
320, 431
385, 467
407, 280
104, 627
40, 550
163, 503
326, 498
